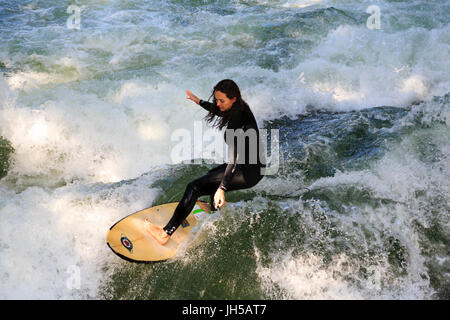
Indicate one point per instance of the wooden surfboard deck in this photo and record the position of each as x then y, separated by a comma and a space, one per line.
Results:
129, 240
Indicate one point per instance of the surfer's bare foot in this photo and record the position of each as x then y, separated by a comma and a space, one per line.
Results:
204, 206
156, 232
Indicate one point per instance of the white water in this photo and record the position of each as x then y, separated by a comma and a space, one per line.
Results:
76, 128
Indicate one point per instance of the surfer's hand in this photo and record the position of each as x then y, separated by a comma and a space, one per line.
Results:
192, 97
219, 198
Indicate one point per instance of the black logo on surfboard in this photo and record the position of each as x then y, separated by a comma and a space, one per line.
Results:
126, 243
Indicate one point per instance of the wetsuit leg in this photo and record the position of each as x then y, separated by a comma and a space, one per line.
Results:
205, 185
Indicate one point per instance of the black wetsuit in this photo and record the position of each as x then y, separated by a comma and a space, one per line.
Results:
236, 174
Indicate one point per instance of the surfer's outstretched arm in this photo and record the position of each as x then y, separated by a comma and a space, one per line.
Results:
208, 106
192, 97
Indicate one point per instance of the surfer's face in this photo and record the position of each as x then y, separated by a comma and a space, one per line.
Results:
223, 102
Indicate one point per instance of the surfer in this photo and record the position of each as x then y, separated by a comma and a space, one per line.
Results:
243, 169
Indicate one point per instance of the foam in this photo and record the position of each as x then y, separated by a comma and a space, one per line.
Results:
47, 234
396, 180
79, 136
79, 124
376, 69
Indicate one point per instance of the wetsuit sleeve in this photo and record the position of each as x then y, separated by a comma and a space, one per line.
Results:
233, 157
229, 172
237, 156
208, 106
205, 104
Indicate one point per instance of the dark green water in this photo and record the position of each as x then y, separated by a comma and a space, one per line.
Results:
358, 208
237, 253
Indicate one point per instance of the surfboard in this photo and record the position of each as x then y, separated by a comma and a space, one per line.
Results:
128, 238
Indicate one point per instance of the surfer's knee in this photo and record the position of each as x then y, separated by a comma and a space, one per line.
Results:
194, 186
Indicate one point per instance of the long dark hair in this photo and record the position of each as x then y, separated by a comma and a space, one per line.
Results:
231, 90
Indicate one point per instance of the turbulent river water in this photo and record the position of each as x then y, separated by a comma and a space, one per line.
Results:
92, 91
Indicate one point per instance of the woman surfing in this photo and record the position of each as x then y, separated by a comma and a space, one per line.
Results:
241, 171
